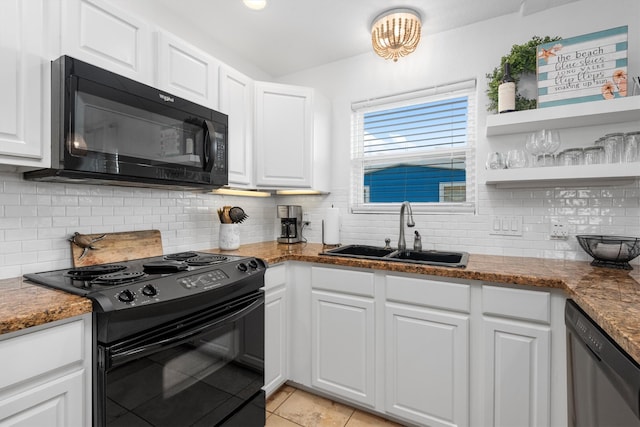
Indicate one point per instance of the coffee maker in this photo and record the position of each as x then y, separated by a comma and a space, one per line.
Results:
290, 223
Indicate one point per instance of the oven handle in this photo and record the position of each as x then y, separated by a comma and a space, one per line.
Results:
118, 358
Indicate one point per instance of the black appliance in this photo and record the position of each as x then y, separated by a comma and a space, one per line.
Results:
108, 129
603, 381
179, 338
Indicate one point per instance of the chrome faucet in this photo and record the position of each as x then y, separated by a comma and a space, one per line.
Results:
402, 245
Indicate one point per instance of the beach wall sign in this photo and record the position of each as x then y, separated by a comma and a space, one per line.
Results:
586, 68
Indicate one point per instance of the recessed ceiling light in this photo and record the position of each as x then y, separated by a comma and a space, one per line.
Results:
255, 4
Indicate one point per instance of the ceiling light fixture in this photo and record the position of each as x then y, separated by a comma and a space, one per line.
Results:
255, 4
396, 33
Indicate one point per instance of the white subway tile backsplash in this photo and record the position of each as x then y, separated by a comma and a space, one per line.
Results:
37, 219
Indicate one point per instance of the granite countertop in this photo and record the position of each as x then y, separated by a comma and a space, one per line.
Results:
23, 305
611, 297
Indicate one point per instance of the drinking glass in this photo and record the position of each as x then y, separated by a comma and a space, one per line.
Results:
593, 155
495, 160
613, 147
516, 159
631, 147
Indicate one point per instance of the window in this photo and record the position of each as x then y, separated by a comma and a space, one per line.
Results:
417, 146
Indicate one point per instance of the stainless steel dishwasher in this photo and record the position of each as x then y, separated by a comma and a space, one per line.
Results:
603, 380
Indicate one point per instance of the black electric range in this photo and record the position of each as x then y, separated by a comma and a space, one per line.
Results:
179, 339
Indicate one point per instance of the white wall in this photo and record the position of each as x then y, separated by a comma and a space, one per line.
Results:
465, 53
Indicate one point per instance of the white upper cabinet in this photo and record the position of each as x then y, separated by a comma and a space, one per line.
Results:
291, 136
186, 71
284, 135
99, 33
24, 105
236, 100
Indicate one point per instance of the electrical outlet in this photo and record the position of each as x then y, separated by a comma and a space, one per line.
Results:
559, 231
306, 220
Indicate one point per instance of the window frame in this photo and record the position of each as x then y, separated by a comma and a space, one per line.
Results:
357, 203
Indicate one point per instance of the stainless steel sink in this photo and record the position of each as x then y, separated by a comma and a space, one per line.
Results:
439, 258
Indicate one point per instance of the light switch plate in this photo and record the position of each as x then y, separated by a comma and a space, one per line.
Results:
506, 225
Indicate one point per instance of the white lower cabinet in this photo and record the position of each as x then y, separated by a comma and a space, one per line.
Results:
342, 334
46, 376
517, 373
517, 357
429, 351
342, 347
276, 324
427, 365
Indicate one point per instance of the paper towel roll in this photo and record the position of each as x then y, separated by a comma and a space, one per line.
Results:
331, 227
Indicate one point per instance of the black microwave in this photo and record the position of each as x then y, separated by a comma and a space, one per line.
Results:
108, 129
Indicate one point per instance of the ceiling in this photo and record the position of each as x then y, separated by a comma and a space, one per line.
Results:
293, 35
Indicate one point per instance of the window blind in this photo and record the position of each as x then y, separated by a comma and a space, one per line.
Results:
420, 149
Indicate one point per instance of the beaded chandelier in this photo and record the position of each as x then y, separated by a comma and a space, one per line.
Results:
396, 33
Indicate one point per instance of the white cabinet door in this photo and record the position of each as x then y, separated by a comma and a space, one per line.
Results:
427, 365
342, 348
57, 403
275, 351
284, 135
46, 375
185, 71
236, 101
24, 104
101, 34
517, 373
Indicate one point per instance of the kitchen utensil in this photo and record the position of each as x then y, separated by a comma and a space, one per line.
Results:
610, 251
237, 215
224, 215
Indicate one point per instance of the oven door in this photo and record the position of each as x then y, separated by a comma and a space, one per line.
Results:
207, 369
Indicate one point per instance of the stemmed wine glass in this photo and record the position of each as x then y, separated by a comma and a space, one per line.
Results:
542, 145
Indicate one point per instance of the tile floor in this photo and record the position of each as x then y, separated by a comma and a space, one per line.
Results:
291, 407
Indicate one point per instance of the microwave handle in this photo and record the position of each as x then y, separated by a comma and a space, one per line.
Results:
209, 141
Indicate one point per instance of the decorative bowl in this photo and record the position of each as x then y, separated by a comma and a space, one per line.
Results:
610, 251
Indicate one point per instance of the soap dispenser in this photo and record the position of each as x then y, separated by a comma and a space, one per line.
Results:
417, 242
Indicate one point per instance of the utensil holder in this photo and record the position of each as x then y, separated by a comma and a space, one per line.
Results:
229, 237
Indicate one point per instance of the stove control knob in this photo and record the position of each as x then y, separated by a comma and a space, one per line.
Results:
149, 290
126, 296
242, 266
253, 264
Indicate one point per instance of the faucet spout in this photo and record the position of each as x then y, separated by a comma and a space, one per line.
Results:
402, 244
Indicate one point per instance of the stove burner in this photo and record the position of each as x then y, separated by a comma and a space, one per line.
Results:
118, 278
206, 259
93, 271
181, 256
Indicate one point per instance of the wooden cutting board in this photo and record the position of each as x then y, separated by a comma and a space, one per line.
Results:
115, 247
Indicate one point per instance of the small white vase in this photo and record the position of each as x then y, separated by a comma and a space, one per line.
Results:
229, 237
